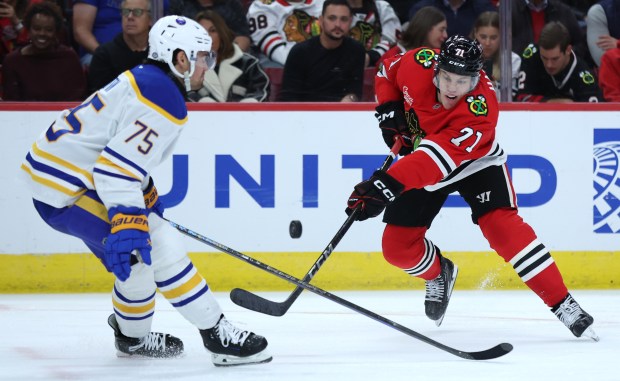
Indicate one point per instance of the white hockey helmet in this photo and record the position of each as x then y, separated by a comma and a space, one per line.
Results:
177, 32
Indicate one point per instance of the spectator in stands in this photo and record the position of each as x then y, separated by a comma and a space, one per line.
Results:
609, 75
12, 30
603, 31
376, 26
128, 49
237, 76
552, 72
486, 32
98, 21
276, 26
460, 14
231, 11
329, 67
529, 17
427, 28
43, 70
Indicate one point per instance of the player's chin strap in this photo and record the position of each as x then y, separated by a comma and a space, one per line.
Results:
188, 86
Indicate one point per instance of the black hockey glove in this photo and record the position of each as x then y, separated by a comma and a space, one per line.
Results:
391, 117
373, 195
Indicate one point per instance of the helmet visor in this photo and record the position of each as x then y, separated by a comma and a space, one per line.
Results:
206, 59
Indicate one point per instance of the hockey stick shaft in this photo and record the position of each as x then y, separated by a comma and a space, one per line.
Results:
491, 353
257, 303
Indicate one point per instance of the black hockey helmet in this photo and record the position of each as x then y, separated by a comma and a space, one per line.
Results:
460, 55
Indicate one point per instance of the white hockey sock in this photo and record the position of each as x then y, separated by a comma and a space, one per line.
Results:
188, 292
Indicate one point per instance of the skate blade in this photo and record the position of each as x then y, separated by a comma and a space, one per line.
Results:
452, 283
229, 360
120, 354
590, 334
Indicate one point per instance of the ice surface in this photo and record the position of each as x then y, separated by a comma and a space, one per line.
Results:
66, 337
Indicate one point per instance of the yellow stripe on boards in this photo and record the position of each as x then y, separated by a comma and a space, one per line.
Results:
72, 273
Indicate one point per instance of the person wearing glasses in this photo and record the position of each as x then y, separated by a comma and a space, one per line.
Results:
128, 49
89, 174
96, 22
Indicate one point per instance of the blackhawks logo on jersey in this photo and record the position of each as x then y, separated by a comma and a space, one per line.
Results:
586, 77
425, 57
529, 51
267, 1
477, 105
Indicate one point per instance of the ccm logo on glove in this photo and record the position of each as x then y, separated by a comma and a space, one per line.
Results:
387, 193
383, 117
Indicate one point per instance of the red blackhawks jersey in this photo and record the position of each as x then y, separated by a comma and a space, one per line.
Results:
451, 144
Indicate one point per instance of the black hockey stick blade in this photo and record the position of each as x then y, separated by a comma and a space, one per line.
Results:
257, 303
492, 353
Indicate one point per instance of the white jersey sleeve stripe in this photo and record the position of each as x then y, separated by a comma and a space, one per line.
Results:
115, 169
438, 155
116, 157
158, 109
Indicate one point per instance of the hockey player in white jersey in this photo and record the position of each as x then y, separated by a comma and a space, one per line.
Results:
89, 176
277, 25
375, 25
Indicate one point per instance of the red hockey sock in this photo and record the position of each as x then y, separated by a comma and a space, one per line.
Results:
406, 248
515, 241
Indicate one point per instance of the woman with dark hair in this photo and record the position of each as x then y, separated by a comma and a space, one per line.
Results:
237, 77
43, 70
486, 31
428, 27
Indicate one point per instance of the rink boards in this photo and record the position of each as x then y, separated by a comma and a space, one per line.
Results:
241, 173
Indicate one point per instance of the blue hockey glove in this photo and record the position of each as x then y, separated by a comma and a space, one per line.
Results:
129, 235
151, 199
392, 121
373, 195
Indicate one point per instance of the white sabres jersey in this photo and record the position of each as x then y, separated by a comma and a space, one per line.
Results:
363, 28
109, 143
277, 25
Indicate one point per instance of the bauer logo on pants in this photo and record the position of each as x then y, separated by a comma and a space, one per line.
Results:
606, 206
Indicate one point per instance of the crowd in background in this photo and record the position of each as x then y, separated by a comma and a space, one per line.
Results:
277, 50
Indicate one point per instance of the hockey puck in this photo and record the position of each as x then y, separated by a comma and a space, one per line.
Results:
294, 229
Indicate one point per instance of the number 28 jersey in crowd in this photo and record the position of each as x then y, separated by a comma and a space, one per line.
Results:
451, 143
110, 142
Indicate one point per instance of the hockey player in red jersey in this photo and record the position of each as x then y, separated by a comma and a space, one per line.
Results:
443, 108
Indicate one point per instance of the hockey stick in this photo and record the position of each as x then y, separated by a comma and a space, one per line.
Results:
257, 303
488, 354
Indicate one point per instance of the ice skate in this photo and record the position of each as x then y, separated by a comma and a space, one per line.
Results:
232, 346
439, 290
155, 344
575, 318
